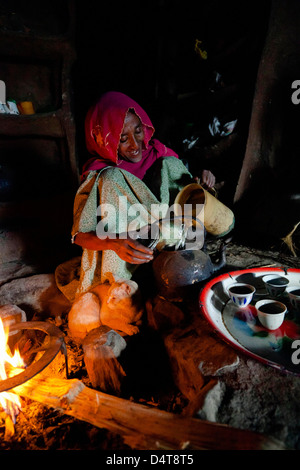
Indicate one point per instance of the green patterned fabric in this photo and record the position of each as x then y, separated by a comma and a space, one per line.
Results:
166, 178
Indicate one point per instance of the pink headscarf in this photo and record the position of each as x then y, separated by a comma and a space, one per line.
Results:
103, 128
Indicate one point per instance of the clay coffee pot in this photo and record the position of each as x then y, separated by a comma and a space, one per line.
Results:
180, 272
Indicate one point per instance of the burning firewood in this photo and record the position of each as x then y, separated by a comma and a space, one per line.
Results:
10, 364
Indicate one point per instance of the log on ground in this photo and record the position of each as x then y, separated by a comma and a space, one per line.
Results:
141, 427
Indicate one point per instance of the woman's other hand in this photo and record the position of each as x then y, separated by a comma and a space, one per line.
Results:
208, 178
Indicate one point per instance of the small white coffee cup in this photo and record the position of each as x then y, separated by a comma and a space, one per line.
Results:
241, 294
294, 296
275, 284
270, 313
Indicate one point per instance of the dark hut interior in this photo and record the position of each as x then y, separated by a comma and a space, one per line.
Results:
220, 82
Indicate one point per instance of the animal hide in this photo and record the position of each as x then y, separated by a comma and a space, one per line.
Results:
117, 305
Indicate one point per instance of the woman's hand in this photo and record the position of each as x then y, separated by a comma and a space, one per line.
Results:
123, 245
131, 250
208, 178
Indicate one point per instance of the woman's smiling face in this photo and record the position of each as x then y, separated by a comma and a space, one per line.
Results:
132, 137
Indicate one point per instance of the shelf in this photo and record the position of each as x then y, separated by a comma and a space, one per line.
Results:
36, 58
43, 124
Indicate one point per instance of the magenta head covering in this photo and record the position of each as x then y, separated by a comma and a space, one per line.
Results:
103, 128
104, 124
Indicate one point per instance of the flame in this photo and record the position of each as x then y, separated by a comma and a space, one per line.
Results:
9, 401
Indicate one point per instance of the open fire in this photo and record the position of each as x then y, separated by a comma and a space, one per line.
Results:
10, 365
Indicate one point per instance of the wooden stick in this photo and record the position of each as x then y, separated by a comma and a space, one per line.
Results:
140, 426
